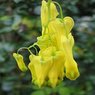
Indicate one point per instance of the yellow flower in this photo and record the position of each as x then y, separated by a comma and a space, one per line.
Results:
70, 65
56, 73
56, 32
49, 64
59, 34
68, 24
55, 55
45, 12
61, 37
53, 35
20, 61
39, 68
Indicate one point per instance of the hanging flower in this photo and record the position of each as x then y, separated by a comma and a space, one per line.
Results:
39, 68
20, 61
45, 12
70, 65
55, 59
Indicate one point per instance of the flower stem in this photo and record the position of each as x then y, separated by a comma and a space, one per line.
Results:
24, 48
61, 12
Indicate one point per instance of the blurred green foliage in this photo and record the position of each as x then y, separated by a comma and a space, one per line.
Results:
20, 26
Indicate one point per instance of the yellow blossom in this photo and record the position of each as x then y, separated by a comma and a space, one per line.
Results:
55, 58
20, 61
45, 12
39, 68
56, 73
53, 35
70, 65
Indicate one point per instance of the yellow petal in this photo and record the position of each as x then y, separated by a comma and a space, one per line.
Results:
53, 11
20, 61
39, 68
45, 12
44, 42
71, 39
67, 48
70, 65
57, 71
69, 23
48, 52
71, 69
35, 68
56, 31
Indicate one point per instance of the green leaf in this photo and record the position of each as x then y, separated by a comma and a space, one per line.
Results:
38, 93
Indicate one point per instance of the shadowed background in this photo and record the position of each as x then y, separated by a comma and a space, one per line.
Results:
20, 26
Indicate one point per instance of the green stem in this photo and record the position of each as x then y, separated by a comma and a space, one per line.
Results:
24, 48
33, 46
61, 12
29, 51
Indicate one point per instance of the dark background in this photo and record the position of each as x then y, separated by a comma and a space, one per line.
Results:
20, 26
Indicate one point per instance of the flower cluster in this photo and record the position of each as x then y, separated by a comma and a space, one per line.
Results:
55, 58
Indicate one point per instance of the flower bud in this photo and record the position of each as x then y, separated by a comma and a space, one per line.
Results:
20, 61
